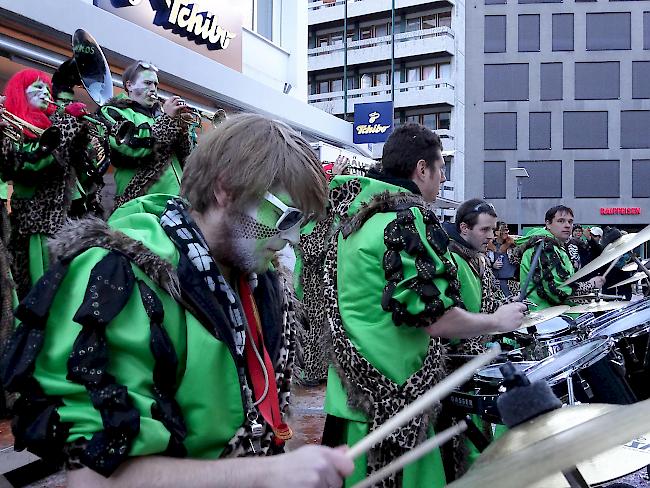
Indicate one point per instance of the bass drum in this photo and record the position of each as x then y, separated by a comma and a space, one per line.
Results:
631, 334
595, 375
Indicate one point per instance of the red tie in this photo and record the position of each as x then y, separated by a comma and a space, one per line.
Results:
270, 406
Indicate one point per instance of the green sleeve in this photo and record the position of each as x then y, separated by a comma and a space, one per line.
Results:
31, 164
428, 290
140, 147
130, 358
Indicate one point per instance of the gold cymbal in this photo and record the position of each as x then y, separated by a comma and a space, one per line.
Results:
633, 266
595, 438
535, 317
632, 279
614, 250
601, 306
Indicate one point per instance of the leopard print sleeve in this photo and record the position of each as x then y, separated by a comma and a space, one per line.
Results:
166, 130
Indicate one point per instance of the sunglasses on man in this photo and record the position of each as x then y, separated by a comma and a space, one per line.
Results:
291, 217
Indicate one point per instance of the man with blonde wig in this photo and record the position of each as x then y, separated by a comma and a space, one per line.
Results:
161, 345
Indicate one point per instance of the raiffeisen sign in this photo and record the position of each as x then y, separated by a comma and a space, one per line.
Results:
210, 27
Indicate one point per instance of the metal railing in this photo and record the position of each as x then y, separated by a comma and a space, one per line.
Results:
382, 41
382, 90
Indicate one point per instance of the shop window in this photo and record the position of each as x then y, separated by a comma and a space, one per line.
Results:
528, 33
506, 82
608, 31
494, 179
585, 130
550, 86
539, 130
544, 181
562, 32
635, 129
494, 34
597, 81
500, 131
596, 179
640, 77
640, 178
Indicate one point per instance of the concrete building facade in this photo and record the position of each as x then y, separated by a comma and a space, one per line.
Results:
559, 88
429, 66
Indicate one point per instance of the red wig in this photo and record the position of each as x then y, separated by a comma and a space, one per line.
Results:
17, 103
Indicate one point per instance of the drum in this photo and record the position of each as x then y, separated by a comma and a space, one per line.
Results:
631, 334
587, 372
489, 379
608, 317
552, 336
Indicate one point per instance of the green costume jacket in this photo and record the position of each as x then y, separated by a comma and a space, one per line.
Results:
149, 157
44, 184
124, 351
388, 274
553, 269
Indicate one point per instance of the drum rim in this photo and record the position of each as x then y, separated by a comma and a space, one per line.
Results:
598, 331
593, 356
614, 315
487, 379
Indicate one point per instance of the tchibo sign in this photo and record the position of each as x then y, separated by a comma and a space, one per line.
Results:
210, 27
373, 122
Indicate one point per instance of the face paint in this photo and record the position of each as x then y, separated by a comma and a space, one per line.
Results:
256, 235
65, 98
38, 95
144, 88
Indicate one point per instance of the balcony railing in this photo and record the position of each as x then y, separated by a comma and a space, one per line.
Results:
383, 40
382, 90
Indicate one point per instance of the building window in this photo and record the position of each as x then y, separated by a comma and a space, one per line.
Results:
264, 24
585, 130
635, 129
494, 33
540, 1
596, 179
444, 121
640, 77
337, 85
444, 19
505, 82
562, 32
495, 2
494, 179
550, 86
608, 31
500, 130
640, 178
597, 81
528, 33
539, 130
413, 24
646, 30
433, 121
545, 179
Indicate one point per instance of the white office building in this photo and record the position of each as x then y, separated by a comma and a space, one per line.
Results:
429, 66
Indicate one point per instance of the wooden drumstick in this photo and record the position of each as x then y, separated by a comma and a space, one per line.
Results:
413, 455
435, 394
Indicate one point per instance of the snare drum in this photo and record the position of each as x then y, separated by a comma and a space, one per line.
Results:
552, 336
631, 334
587, 371
489, 379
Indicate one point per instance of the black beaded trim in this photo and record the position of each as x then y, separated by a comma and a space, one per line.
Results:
109, 288
36, 425
549, 262
166, 409
401, 235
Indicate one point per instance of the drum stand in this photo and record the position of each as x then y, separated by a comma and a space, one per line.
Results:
642, 268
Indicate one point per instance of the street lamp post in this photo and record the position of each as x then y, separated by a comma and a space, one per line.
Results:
520, 174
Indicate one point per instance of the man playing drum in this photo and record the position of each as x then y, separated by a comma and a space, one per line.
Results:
391, 294
554, 266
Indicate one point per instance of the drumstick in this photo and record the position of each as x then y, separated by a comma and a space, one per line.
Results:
610, 268
413, 455
531, 271
432, 396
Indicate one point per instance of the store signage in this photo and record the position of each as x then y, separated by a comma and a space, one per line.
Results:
373, 122
210, 27
620, 210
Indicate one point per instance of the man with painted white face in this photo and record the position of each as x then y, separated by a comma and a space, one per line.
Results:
148, 156
554, 266
171, 338
391, 295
